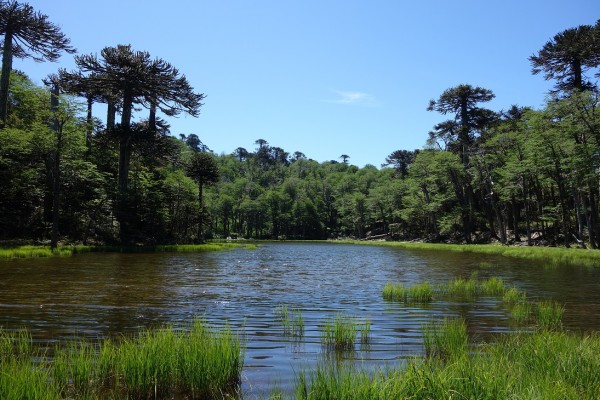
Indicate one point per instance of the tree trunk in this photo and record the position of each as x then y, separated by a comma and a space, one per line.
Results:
578, 216
152, 117
592, 219
124, 209
200, 213
515, 217
89, 123
111, 111
5, 77
56, 169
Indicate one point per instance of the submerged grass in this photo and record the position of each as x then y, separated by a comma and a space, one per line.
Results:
549, 314
200, 362
339, 333
445, 340
456, 288
542, 365
514, 296
419, 293
291, 320
461, 288
520, 312
365, 332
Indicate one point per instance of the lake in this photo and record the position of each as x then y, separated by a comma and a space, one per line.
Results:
99, 295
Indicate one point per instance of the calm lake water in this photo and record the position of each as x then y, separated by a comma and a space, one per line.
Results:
106, 295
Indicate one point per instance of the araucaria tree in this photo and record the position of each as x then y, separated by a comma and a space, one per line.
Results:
27, 34
462, 101
134, 78
469, 119
568, 56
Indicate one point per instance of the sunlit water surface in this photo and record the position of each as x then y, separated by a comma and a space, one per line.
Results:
106, 295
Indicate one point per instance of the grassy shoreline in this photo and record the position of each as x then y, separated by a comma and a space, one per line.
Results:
66, 251
547, 255
200, 362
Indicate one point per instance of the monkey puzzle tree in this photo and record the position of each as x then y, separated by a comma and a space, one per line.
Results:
568, 56
462, 101
135, 78
27, 34
469, 119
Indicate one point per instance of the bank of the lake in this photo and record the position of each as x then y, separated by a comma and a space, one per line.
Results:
29, 251
543, 255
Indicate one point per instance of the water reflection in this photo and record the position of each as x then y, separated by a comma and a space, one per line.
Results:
103, 295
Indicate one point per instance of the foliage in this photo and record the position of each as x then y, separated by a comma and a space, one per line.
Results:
519, 176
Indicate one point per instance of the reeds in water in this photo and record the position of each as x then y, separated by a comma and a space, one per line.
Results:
339, 332
200, 362
514, 296
445, 340
492, 287
521, 312
461, 288
419, 293
549, 314
291, 319
540, 365
365, 332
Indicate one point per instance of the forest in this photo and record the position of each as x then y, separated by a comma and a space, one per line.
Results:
69, 175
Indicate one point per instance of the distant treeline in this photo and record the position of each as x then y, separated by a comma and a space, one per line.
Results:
516, 175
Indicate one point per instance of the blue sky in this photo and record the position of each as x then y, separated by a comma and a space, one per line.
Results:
325, 77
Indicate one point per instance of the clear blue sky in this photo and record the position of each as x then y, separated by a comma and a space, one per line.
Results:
325, 77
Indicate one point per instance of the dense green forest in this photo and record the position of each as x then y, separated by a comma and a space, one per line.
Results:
66, 174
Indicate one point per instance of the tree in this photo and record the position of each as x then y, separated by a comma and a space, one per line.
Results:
400, 160
344, 158
568, 56
240, 153
202, 168
27, 34
462, 101
135, 78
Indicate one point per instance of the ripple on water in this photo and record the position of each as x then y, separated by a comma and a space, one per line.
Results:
104, 295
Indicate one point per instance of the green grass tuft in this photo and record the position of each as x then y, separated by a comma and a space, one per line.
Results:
291, 319
492, 287
200, 362
514, 296
420, 293
461, 288
521, 312
445, 340
365, 332
549, 314
339, 333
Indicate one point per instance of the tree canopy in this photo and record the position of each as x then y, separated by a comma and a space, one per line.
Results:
27, 34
